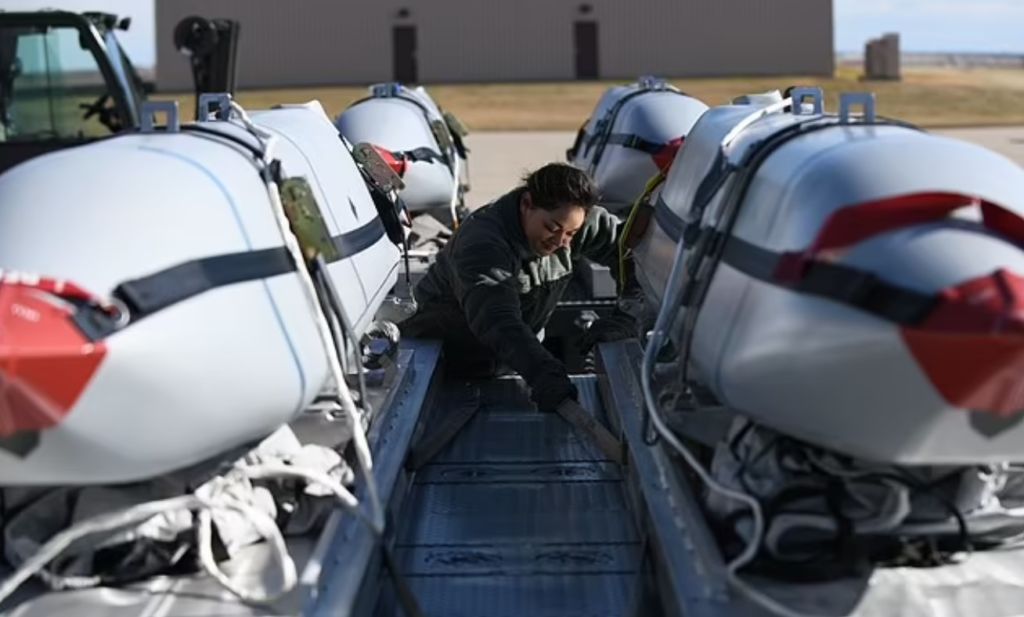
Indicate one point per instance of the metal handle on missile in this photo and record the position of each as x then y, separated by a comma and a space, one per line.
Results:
848, 99
218, 103
147, 120
817, 96
574, 414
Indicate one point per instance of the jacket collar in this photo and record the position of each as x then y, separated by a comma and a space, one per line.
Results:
506, 208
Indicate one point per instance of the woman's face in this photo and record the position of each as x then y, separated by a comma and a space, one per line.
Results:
549, 230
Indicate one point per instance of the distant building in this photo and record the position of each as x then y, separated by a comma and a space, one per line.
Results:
882, 58
319, 42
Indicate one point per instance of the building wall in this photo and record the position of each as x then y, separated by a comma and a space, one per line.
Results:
300, 42
312, 42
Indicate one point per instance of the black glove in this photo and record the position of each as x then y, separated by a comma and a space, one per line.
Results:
551, 390
616, 327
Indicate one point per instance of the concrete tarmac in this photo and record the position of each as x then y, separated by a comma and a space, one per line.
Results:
498, 159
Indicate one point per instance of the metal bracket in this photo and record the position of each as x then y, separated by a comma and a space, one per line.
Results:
817, 96
148, 113
849, 99
386, 90
455, 125
214, 101
442, 136
385, 177
650, 82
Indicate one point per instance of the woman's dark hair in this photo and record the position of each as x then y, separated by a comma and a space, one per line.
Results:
558, 184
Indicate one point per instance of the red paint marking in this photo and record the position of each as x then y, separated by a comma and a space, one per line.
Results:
45, 361
664, 157
971, 346
858, 222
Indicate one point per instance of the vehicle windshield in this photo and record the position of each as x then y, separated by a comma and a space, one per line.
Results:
51, 86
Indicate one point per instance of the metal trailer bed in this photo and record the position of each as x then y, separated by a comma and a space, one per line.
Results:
517, 514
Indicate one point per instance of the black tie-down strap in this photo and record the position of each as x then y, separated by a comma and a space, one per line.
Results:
851, 286
845, 284
155, 292
635, 142
459, 143
457, 140
147, 295
704, 242
626, 140
671, 223
603, 128
421, 154
573, 150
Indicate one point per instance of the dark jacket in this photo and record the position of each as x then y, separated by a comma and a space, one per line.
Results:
488, 295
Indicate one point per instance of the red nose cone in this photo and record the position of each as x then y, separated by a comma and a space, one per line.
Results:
664, 157
972, 345
45, 361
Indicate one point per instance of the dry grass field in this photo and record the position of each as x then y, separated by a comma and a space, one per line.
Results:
930, 97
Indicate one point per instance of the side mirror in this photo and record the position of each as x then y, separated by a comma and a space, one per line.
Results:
124, 24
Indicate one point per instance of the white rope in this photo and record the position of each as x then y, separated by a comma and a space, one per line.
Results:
91, 526
662, 326
457, 184
267, 529
750, 551
361, 446
204, 507
743, 124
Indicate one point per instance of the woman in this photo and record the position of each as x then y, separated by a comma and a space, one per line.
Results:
495, 285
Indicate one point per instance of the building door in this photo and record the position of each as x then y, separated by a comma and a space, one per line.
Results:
403, 53
585, 43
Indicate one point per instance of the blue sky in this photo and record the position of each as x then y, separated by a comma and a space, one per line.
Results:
933, 25
924, 25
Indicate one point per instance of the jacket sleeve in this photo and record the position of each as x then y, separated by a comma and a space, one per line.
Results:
599, 238
485, 284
